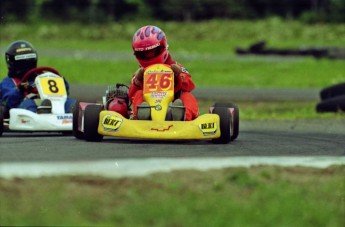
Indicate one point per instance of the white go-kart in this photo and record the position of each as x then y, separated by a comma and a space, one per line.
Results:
48, 85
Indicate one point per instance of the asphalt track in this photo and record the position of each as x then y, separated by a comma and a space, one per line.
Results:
258, 140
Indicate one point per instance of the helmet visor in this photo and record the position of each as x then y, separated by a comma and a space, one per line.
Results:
19, 68
25, 65
149, 54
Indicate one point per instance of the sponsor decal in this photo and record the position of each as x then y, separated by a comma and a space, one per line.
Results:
147, 48
159, 94
154, 71
55, 98
25, 56
64, 117
158, 107
184, 70
23, 49
111, 123
49, 75
23, 121
69, 121
209, 128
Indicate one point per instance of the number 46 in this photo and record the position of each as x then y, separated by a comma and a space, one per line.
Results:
162, 81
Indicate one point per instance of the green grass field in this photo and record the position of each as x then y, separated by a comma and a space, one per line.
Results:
256, 196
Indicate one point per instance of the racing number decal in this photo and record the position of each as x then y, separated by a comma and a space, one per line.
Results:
165, 81
158, 82
53, 86
152, 81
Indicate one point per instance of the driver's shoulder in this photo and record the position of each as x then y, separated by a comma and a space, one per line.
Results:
7, 80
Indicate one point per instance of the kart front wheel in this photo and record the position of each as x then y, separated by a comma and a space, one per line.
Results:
235, 117
76, 111
224, 125
91, 119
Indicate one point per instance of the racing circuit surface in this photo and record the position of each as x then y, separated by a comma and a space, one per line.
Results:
300, 138
256, 138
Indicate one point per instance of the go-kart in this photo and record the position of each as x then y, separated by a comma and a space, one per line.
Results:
92, 121
48, 85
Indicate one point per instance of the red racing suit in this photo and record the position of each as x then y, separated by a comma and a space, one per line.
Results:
183, 87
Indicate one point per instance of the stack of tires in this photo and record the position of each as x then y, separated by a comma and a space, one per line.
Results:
332, 99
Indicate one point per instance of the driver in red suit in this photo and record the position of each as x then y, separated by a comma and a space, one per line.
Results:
150, 46
20, 58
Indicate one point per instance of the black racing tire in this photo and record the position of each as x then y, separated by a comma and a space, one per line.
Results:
235, 118
332, 91
224, 125
2, 116
77, 134
91, 119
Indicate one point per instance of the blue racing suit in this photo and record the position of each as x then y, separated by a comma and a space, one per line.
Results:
11, 97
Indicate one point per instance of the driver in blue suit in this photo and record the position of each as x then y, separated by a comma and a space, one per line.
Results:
20, 58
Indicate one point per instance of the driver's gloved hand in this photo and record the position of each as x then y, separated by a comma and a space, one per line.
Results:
26, 86
138, 76
22, 87
176, 69
177, 75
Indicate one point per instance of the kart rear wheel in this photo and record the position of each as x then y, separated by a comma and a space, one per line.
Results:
225, 125
91, 119
2, 116
235, 118
77, 134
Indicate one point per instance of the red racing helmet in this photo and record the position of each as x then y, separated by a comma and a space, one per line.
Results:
150, 46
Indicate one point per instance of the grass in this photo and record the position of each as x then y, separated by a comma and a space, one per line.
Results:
255, 196
231, 71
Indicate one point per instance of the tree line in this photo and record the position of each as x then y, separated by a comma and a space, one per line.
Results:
101, 11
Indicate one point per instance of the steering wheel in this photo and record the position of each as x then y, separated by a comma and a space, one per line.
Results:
36, 72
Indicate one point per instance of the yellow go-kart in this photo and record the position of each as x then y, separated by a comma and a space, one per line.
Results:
92, 121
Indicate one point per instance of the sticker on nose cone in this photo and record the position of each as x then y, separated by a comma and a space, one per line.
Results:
208, 128
111, 123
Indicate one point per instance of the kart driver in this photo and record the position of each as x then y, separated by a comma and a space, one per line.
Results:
150, 46
20, 58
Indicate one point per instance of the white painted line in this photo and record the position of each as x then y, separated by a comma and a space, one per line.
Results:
141, 167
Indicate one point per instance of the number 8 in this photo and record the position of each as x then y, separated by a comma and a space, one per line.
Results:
52, 86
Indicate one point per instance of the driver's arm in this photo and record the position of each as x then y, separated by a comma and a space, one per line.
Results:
11, 96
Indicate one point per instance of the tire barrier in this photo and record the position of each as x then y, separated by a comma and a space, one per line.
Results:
260, 48
332, 99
